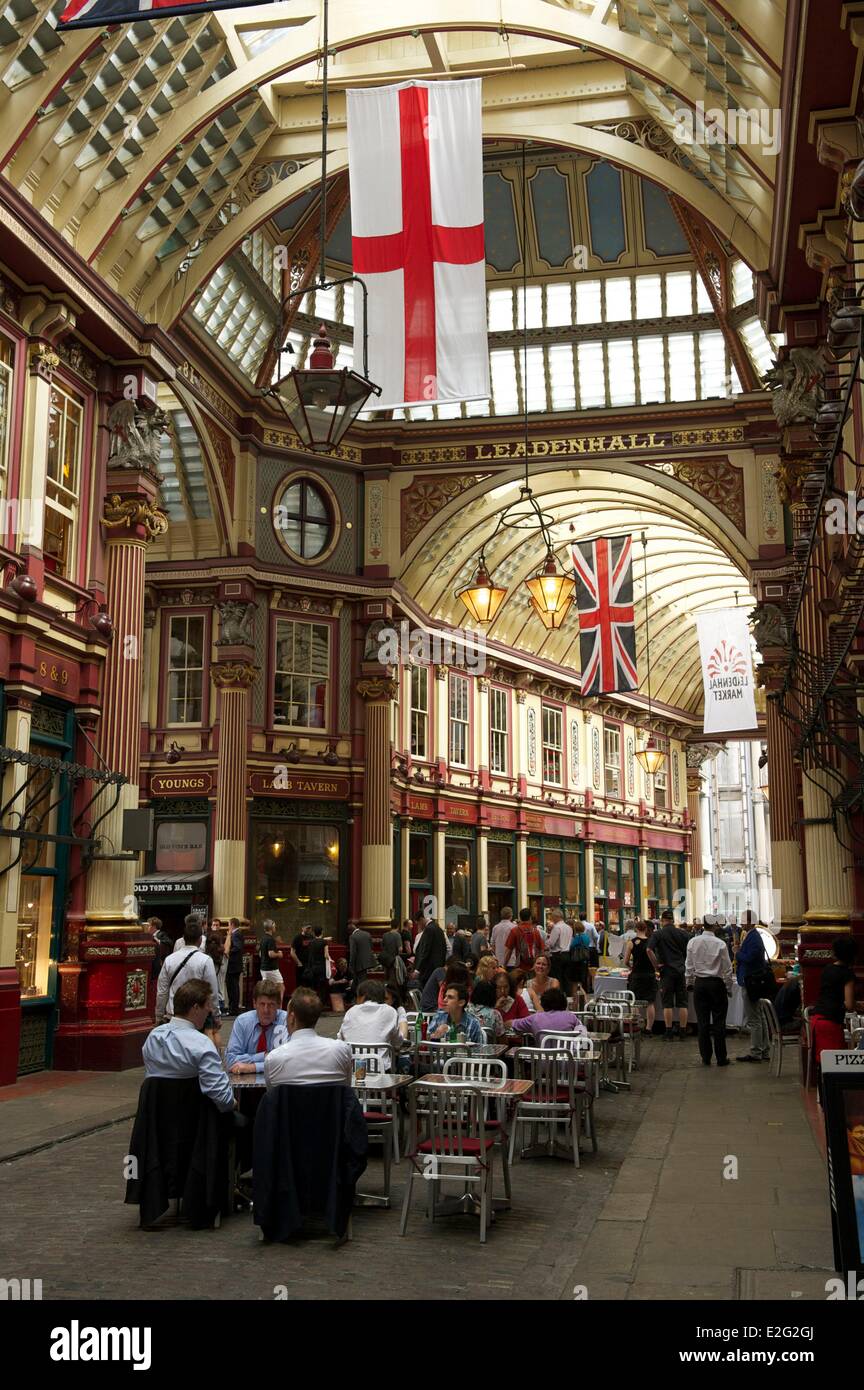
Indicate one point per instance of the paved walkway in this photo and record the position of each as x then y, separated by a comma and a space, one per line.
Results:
651, 1216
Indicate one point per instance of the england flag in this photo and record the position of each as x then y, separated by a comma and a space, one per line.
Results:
415, 163
604, 598
95, 14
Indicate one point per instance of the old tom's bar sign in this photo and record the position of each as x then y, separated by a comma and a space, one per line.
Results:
181, 784
298, 784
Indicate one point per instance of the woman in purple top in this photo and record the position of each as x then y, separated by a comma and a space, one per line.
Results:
553, 1017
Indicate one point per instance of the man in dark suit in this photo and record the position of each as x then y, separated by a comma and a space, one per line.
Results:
391, 948
361, 958
432, 951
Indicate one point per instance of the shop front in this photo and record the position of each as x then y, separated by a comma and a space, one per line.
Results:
178, 878
501, 874
616, 885
297, 865
460, 876
555, 875
41, 863
665, 871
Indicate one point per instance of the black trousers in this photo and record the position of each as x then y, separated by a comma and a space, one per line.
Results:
232, 983
711, 1001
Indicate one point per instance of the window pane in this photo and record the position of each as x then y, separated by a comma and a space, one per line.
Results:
535, 307
533, 873
296, 875
500, 310
648, 301
418, 858
679, 292
618, 298
559, 309
505, 394
652, 377
592, 375
562, 376
703, 298
682, 367
622, 379
588, 308
500, 862
536, 378
712, 364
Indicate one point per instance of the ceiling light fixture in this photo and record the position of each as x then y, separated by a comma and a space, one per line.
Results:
322, 401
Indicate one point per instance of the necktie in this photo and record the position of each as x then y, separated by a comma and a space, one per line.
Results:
262, 1041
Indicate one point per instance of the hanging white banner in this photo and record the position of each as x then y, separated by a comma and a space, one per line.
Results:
727, 671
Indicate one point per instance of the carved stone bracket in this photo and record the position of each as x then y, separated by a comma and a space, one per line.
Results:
236, 624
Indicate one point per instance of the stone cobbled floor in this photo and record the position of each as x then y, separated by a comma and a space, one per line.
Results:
650, 1216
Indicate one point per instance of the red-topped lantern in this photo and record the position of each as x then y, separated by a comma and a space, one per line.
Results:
323, 401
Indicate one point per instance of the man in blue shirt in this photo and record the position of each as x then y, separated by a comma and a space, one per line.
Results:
258, 1031
179, 1048
453, 1015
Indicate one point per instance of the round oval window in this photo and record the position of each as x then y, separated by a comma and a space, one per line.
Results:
303, 519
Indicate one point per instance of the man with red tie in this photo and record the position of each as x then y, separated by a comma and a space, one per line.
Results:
258, 1031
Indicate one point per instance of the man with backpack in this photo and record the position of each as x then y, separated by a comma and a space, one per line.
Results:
524, 942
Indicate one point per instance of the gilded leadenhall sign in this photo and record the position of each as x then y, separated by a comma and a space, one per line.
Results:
574, 445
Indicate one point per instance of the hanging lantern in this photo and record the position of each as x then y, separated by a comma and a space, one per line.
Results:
551, 594
481, 597
322, 401
650, 757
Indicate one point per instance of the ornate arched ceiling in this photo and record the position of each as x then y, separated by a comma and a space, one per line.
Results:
137, 143
695, 561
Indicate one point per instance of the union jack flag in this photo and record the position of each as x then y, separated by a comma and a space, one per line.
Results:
92, 14
604, 598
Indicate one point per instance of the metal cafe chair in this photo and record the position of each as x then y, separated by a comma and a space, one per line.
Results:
777, 1039
584, 1049
615, 1020
554, 1102
449, 1140
379, 1107
494, 1071
634, 1014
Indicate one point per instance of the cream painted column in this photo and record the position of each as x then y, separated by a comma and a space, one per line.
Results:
763, 867
439, 877
482, 871
376, 884
787, 868
643, 880
234, 681
695, 871
481, 740
830, 878
520, 739
588, 905
12, 778
442, 714
521, 872
132, 519
404, 908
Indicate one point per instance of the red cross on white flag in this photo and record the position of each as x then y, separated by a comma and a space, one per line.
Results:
415, 162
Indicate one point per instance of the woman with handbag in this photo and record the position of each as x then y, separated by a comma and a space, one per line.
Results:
753, 971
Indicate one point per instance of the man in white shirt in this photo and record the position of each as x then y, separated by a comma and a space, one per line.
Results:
201, 938
193, 964
179, 1048
371, 1020
499, 935
709, 970
307, 1059
558, 944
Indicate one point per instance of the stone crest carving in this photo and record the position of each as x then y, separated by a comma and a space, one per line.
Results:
236, 624
237, 673
770, 626
136, 435
793, 384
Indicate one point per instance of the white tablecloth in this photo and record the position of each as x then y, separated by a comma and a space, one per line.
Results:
608, 984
